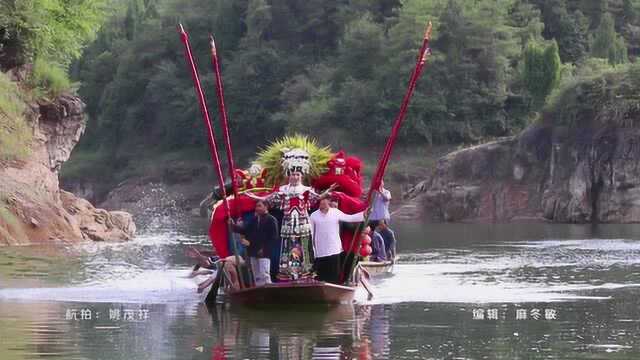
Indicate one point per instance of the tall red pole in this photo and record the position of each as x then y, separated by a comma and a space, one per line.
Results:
223, 115
386, 154
213, 148
422, 54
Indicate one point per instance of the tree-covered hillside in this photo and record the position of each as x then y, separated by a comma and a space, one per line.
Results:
337, 69
38, 41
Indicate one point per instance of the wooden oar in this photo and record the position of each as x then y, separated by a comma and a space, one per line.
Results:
210, 300
364, 276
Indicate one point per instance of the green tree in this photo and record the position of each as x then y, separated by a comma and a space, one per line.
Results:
541, 71
53, 30
525, 18
132, 19
258, 21
594, 10
331, 67
608, 44
630, 12
570, 30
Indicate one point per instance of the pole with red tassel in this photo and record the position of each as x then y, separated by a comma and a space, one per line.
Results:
386, 154
224, 122
213, 148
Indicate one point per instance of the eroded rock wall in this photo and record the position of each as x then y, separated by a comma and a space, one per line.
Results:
587, 174
32, 207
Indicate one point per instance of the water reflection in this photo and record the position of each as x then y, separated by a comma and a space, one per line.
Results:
339, 332
589, 276
582, 330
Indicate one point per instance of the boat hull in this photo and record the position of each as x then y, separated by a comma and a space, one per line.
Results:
375, 268
316, 292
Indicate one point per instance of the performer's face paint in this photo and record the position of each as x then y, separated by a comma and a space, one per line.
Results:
295, 178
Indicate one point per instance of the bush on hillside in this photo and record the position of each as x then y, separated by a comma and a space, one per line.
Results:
49, 79
611, 97
15, 133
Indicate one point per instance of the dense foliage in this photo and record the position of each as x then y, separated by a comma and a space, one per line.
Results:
541, 71
49, 33
337, 69
610, 97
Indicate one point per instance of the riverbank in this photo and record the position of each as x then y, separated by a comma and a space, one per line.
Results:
33, 208
577, 163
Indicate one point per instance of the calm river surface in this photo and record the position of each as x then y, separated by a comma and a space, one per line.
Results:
523, 291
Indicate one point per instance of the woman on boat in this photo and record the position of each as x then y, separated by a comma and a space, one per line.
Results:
294, 200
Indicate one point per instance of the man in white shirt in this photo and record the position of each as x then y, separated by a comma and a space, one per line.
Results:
327, 247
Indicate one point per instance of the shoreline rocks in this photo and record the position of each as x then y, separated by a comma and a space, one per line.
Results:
33, 209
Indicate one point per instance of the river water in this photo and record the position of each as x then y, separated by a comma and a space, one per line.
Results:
518, 291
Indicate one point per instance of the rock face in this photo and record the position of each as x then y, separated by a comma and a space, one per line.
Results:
98, 224
32, 207
586, 174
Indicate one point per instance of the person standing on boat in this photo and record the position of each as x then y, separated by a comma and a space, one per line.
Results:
261, 232
380, 206
327, 246
294, 199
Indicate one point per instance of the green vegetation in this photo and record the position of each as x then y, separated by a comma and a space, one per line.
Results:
49, 33
609, 97
608, 44
15, 133
49, 79
335, 70
541, 71
53, 30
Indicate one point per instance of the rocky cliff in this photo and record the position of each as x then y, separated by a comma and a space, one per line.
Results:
32, 206
579, 163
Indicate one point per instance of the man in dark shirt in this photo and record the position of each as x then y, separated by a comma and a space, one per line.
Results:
261, 231
389, 239
379, 252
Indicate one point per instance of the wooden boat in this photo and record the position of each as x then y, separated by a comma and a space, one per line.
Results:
287, 293
282, 293
377, 268
312, 292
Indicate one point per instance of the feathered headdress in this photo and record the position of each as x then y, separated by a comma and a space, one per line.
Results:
271, 158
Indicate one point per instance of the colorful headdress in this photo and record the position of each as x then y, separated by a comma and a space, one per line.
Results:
293, 153
295, 160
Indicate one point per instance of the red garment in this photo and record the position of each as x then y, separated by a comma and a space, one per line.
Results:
342, 170
218, 228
